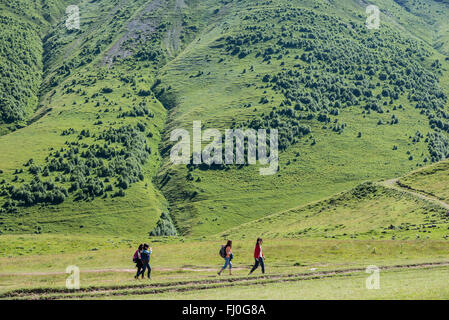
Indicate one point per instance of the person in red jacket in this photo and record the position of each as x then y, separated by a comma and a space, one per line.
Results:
258, 257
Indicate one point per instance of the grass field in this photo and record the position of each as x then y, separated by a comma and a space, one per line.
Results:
407, 284
107, 271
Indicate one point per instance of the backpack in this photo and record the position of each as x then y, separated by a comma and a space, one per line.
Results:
222, 252
135, 257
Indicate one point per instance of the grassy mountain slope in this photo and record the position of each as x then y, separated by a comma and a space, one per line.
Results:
368, 211
23, 26
351, 105
433, 14
85, 163
430, 180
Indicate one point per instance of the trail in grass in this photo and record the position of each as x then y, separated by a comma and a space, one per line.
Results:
118, 270
394, 184
193, 285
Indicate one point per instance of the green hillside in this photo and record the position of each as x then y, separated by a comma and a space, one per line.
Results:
368, 211
430, 180
23, 25
87, 114
85, 163
351, 105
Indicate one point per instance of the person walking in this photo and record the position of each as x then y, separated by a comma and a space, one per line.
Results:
258, 257
228, 257
138, 260
146, 252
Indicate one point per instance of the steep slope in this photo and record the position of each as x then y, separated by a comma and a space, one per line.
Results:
351, 104
433, 14
86, 161
23, 25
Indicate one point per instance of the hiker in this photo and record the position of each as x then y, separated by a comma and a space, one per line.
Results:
226, 253
258, 257
146, 252
137, 259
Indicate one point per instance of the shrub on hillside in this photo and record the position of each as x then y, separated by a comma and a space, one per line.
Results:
164, 227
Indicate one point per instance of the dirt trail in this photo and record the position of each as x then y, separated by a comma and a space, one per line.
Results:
118, 270
394, 184
195, 285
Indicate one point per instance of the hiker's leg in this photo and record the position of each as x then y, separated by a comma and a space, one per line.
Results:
227, 261
256, 264
230, 266
144, 267
224, 267
139, 268
149, 270
262, 265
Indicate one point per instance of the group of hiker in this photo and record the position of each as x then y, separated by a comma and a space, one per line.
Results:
226, 254
142, 258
